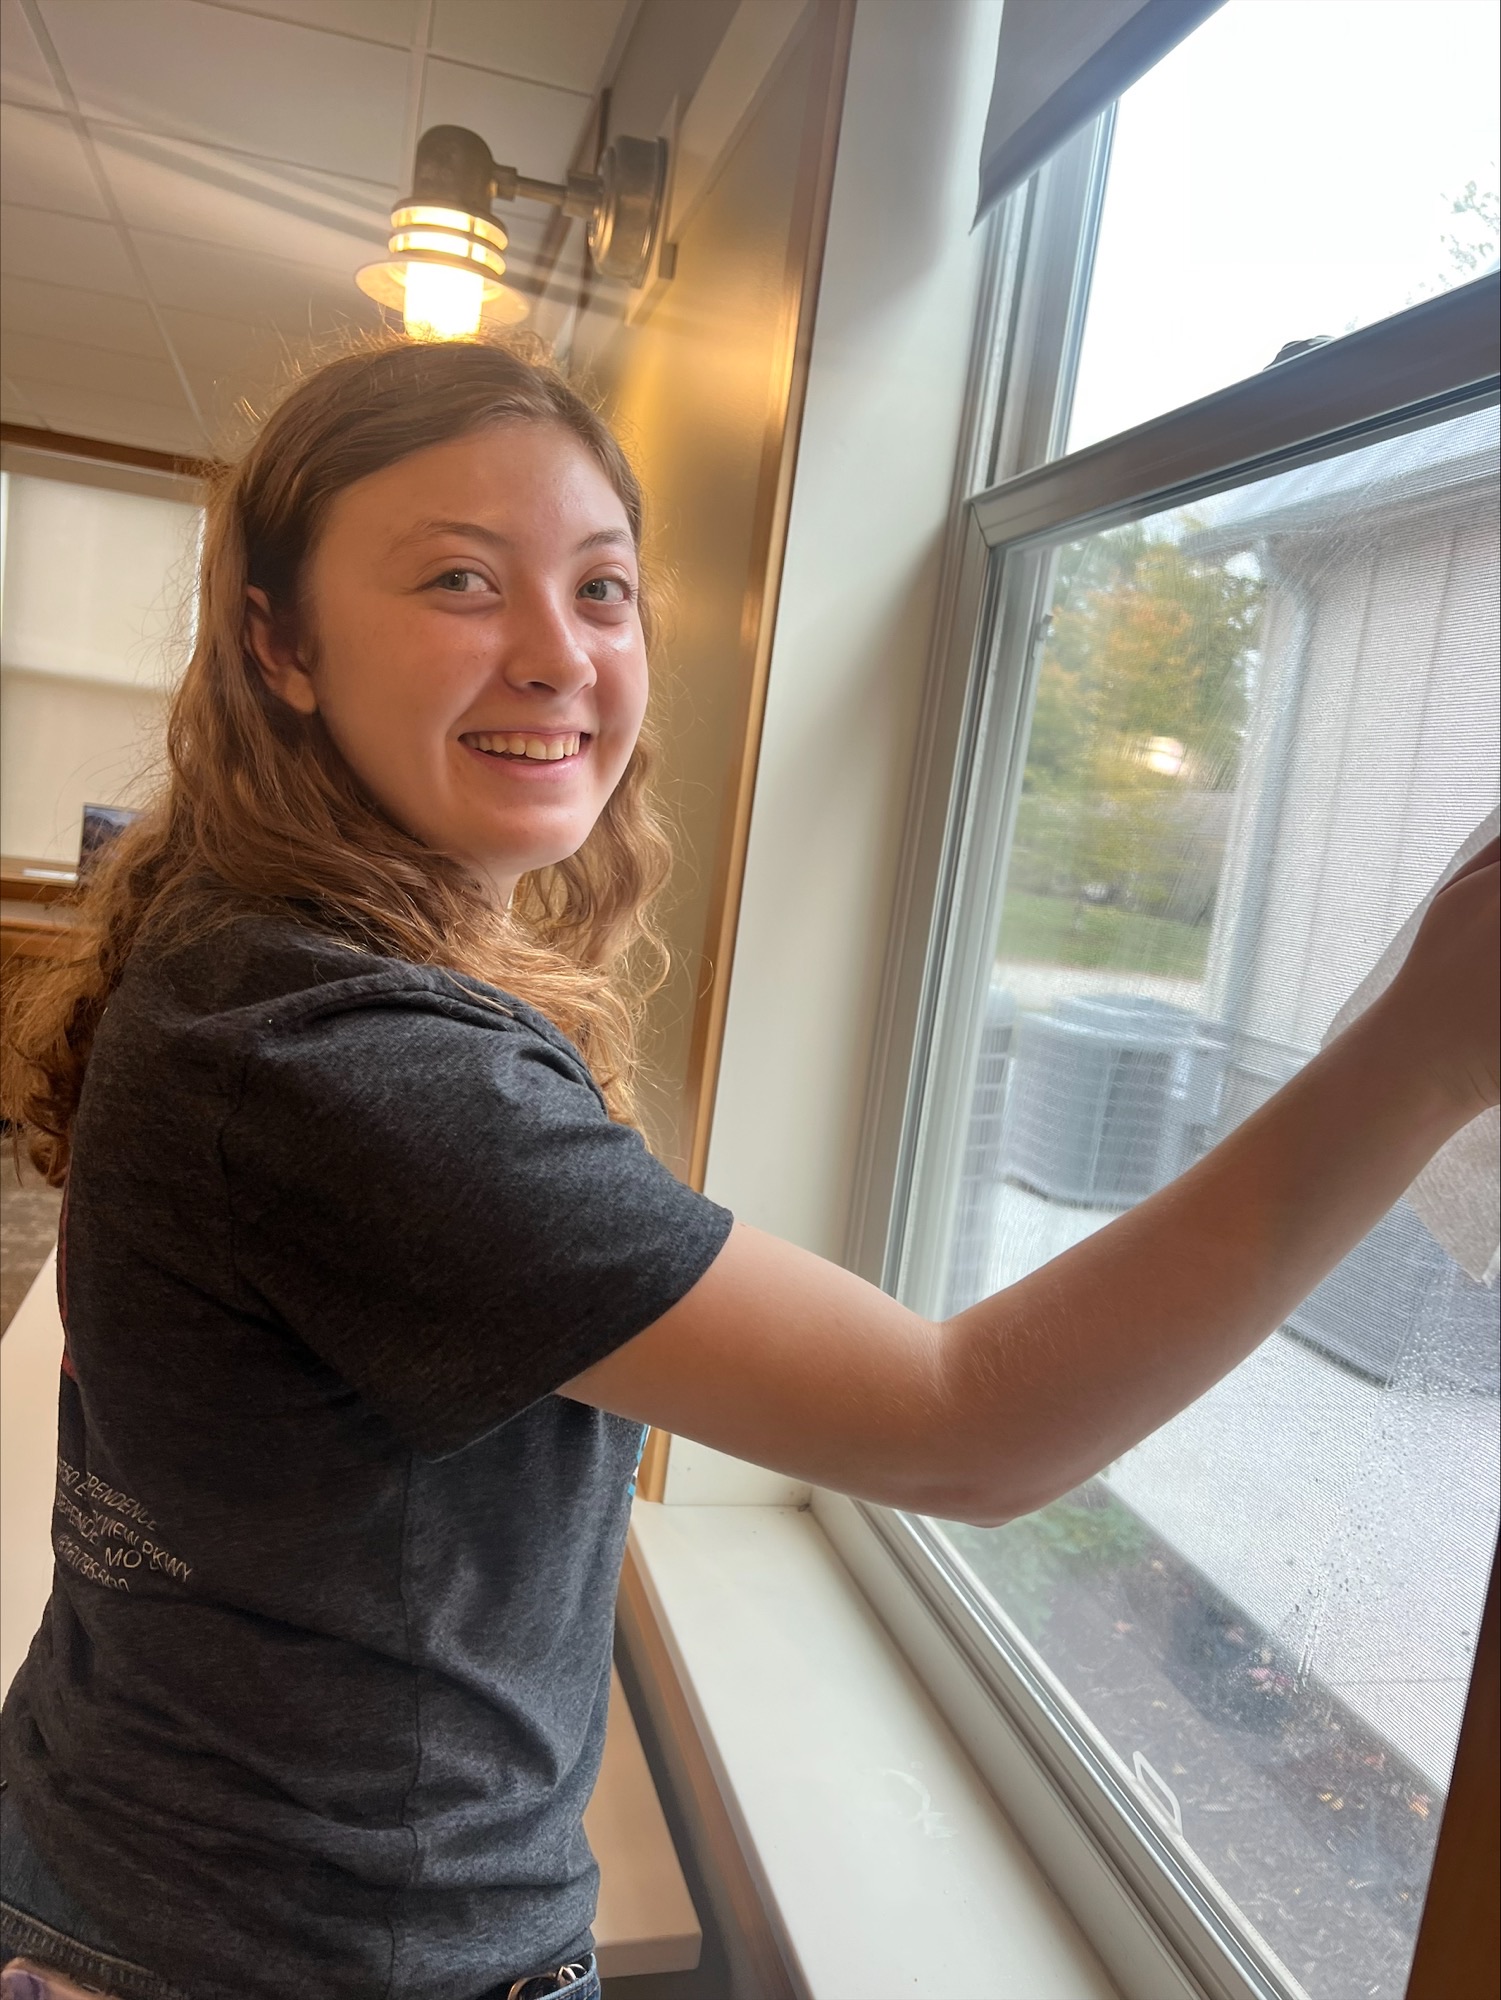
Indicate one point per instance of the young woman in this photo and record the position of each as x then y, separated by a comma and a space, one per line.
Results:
370, 1284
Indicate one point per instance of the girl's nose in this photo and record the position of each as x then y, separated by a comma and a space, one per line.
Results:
545, 649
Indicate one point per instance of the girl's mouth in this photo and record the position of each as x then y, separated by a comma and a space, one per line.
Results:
517, 746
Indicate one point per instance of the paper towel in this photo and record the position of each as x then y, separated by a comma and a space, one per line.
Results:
1457, 1196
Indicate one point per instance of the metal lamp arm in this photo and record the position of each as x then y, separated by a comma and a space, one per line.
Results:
578, 198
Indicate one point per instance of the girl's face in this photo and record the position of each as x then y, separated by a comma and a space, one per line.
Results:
470, 637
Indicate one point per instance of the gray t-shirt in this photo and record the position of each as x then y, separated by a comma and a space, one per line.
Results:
320, 1695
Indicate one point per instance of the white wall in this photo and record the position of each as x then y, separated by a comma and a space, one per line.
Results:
855, 619
94, 626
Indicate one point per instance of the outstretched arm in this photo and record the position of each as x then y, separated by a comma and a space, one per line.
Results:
779, 1357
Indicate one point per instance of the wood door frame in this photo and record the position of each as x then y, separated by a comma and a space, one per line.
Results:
832, 27
1458, 1954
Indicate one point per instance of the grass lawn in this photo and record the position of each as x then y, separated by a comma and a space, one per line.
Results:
1056, 930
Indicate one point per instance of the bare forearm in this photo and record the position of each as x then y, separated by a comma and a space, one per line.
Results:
1061, 1373
784, 1359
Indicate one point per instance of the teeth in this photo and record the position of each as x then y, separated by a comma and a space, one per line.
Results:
538, 750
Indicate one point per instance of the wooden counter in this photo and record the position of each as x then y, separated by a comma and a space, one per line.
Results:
35, 915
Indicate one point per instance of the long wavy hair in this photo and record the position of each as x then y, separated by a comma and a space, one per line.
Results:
259, 814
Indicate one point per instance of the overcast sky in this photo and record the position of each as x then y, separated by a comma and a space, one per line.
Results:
1286, 171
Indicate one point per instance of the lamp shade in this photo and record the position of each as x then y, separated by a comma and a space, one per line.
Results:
447, 261
444, 274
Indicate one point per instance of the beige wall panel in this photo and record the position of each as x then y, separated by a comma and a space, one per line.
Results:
698, 391
1392, 760
672, 44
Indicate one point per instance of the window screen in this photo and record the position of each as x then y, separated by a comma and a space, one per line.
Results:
1260, 726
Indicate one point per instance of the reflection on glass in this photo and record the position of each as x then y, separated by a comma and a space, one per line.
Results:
1288, 171
1262, 725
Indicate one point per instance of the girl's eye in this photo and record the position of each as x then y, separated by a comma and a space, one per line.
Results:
460, 581
606, 590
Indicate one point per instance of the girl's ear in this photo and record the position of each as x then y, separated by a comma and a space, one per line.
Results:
272, 648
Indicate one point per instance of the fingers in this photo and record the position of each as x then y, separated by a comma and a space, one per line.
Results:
1487, 858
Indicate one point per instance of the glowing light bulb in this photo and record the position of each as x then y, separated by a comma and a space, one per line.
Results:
441, 303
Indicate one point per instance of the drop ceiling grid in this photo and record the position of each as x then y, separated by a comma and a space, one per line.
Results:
235, 188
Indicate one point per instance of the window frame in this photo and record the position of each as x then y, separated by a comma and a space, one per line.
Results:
1135, 1887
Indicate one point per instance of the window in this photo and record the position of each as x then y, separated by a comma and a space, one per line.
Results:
1317, 166
97, 618
1261, 726
1222, 703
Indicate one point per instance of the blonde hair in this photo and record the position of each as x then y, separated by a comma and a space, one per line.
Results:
260, 814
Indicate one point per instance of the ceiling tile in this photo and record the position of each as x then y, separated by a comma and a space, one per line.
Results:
392, 21
297, 299
94, 319
232, 363
525, 125
176, 188
237, 80
24, 75
43, 164
552, 41
65, 250
215, 348
61, 363
119, 419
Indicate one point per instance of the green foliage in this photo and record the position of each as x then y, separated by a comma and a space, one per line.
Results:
1050, 930
1025, 1564
1482, 208
1146, 641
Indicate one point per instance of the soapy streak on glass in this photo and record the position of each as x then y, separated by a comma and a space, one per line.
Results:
1272, 1602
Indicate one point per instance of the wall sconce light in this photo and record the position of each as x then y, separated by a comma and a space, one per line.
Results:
446, 268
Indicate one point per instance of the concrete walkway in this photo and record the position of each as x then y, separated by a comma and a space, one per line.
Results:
1353, 1523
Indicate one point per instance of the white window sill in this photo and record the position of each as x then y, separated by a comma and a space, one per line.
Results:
880, 1859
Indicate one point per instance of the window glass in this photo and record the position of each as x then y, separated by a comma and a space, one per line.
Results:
97, 621
1295, 168
1262, 725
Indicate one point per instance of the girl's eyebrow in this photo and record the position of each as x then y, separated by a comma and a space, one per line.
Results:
475, 531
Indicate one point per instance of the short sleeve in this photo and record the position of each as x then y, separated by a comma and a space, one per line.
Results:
429, 1192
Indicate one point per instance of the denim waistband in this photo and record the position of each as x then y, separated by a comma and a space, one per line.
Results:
39, 1920
23, 1936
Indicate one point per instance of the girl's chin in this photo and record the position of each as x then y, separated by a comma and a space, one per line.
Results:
508, 861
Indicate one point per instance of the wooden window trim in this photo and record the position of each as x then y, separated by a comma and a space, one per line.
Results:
1458, 1955
100, 451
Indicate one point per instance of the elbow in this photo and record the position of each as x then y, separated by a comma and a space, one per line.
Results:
988, 1509
997, 1503
996, 1464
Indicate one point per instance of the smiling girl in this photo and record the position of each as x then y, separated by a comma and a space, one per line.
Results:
370, 1283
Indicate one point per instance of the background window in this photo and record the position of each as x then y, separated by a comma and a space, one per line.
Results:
96, 623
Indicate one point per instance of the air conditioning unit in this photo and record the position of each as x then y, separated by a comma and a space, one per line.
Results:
981, 1168
1110, 1097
